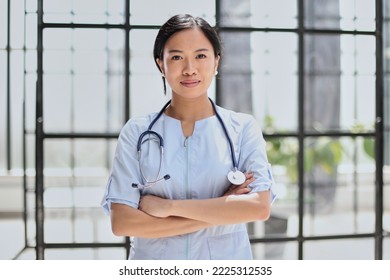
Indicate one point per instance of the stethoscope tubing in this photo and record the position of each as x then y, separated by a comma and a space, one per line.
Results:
227, 136
149, 131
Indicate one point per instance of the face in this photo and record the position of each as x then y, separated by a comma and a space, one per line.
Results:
189, 63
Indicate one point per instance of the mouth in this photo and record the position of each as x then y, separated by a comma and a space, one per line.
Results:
190, 83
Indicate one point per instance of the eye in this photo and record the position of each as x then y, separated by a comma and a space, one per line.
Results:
201, 56
176, 57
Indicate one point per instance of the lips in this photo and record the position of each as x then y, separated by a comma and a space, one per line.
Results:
190, 83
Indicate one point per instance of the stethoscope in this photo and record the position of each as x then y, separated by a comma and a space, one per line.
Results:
235, 176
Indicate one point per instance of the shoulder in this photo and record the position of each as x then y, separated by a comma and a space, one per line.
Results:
237, 119
137, 124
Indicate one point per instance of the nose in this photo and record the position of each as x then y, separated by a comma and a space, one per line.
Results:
189, 68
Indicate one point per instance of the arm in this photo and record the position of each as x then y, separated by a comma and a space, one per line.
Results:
236, 206
128, 221
231, 209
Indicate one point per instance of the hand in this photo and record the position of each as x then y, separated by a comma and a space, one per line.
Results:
154, 206
241, 189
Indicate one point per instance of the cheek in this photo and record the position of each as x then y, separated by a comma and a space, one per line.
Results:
171, 68
210, 70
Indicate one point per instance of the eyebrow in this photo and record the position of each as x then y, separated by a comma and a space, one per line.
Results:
180, 51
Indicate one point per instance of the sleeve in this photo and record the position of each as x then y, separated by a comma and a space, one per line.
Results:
253, 158
124, 171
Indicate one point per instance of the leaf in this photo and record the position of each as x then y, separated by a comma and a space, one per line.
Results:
369, 147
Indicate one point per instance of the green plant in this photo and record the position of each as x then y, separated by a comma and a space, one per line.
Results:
368, 143
324, 152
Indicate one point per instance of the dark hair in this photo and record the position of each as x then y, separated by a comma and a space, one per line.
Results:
178, 23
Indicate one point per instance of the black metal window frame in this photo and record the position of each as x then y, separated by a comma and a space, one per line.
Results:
301, 134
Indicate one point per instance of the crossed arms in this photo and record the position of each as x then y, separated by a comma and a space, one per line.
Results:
158, 217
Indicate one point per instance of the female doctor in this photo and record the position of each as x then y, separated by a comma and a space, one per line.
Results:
185, 181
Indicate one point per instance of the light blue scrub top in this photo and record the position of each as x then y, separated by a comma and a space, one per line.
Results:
198, 166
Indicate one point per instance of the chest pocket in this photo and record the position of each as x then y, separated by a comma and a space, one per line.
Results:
231, 246
148, 249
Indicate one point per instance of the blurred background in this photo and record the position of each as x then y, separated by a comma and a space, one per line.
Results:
314, 73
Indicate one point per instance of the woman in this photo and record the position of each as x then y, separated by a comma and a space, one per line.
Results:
189, 210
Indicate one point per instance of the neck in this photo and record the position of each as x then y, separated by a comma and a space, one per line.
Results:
190, 110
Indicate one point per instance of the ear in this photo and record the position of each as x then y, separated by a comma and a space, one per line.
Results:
217, 58
160, 65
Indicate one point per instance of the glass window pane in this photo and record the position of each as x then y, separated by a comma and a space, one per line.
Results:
91, 39
357, 54
86, 254
57, 61
77, 226
31, 30
322, 82
146, 87
31, 6
89, 103
80, 157
269, 52
345, 14
85, 11
275, 251
17, 24
57, 103
90, 156
259, 13
57, 157
339, 82
141, 50
283, 154
340, 186
3, 109
386, 86
73, 190
345, 249
140, 11
386, 212
83, 39
57, 39
30, 62
16, 107
12, 238
115, 103
386, 248
357, 100
30, 156
235, 84
386, 48
31, 80
357, 15
92, 67
3, 24
31, 223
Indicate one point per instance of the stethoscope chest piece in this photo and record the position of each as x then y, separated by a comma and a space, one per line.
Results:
236, 177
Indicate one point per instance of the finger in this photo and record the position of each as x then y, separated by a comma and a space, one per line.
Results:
247, 182
243, 191
239, 191
234, 188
